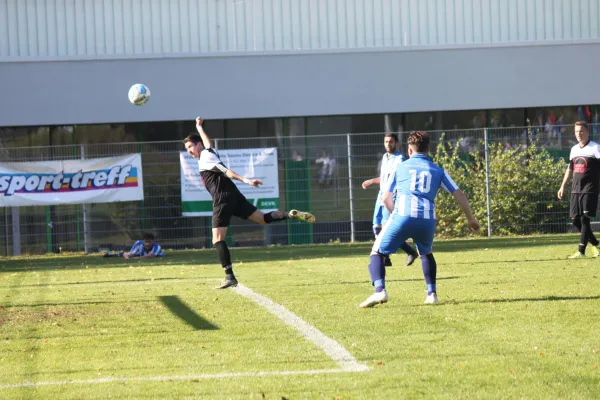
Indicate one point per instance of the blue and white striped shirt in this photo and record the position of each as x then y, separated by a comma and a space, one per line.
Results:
139, 250
388, 169
416, 182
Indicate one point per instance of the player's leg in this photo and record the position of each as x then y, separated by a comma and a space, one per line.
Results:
378, 224
411, 254
222, 211
388, 241
424, 231
383, 215
587, 234
276, 216
575, 212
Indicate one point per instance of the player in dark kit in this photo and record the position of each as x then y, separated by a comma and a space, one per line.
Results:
227, 199
584, 168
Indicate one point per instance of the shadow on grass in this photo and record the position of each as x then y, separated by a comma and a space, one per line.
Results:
525, 299
366, 281
262, 254
186, 314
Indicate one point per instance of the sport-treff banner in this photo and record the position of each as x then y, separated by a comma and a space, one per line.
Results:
250, 163
96, 180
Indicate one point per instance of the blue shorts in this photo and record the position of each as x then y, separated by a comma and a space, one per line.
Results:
398, 229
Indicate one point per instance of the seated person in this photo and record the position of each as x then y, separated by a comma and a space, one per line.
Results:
145, 248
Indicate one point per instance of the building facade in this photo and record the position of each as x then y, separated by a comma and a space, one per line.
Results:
65, 62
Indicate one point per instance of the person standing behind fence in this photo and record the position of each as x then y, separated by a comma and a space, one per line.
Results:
327, 170
416, 181
390, 160
227, 199
584, 168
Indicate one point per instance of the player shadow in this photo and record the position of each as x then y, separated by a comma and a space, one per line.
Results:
518, 300
186, 314
365, 281
496, 261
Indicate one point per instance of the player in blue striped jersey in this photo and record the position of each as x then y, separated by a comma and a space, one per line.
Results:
390, 160
145, 248
416, 183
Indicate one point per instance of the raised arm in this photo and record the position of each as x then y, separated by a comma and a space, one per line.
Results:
252, 182
205, 139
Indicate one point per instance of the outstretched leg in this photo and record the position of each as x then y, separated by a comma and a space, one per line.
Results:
276, 216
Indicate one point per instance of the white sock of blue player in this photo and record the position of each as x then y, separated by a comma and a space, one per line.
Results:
429, 272
377, 272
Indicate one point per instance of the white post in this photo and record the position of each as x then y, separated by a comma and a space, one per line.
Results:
16, 231
84, 210
351, 196
487, 181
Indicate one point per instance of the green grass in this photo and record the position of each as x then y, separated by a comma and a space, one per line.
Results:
516, 319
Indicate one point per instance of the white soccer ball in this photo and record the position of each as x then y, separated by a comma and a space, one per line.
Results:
139, 94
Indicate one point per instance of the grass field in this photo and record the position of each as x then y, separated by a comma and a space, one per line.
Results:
516, 319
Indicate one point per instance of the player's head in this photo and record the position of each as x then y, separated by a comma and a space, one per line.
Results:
193, 145
148, 240
418, 142
390, 142
581, 131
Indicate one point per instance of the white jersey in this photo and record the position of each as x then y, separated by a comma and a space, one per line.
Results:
388, 169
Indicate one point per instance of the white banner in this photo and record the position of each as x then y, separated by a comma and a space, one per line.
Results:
250, 163
97, 180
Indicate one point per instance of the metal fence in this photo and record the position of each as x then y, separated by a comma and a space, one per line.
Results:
343, 209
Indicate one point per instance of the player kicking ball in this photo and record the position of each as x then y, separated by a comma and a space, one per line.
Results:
227, 199
416, 182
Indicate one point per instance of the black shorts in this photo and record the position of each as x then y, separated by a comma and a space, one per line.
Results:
583, 204
226, 205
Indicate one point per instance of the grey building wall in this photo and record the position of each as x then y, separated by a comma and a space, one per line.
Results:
90, 28
253, 85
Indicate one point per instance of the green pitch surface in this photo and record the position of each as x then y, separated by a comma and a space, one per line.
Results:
516, 319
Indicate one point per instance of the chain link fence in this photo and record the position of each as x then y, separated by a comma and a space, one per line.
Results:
322, 174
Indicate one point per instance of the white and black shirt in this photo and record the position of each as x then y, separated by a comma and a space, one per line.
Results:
212, 172
585, 164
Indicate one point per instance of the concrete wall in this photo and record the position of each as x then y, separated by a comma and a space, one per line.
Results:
252, 86
86, 28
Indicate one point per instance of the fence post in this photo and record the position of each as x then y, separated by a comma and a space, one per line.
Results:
351, 196
84, 210
487, 180
5, 211
16, 231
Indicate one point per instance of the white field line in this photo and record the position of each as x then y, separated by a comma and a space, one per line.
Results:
169, 378
332, 348
139, 282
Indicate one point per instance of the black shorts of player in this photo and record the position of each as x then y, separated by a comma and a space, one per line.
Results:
583, 204
228, 204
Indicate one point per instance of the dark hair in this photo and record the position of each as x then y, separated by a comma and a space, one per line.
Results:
420, 140
392, 135
148, 236
192, 137
582, 123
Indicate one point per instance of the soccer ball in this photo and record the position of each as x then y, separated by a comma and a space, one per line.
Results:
139, 94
